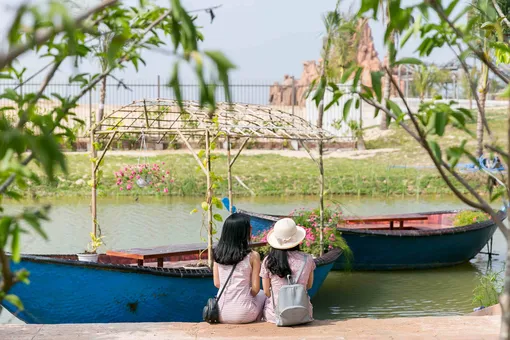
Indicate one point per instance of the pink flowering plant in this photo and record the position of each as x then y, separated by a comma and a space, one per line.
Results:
151, 177
310, 221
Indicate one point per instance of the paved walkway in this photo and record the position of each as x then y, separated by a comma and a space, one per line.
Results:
452, 327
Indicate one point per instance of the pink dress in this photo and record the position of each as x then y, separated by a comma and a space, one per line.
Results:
237, 305
295, 262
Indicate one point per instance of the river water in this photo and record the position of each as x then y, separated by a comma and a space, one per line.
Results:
150, 222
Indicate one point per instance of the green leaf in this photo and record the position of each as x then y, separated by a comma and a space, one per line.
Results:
15, 245
205, 207
5, 226
223, 65
357, 78
193, 211
347, 74
406, 36
115, 46
367, 5
218, 217
408, 61
377, 83
175, 85
441, 119
453, 154
319, 91
436, 150
336, 96
15, 301
390, 104
217, 203
347, 109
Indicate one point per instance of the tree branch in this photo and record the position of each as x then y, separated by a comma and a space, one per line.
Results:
42, 37
8, 279
474, 91
24, 117
440, 11
12, 177
483, 205
86, 89
497, 150
500, 13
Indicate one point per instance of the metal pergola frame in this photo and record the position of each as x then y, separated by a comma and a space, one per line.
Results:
161, 117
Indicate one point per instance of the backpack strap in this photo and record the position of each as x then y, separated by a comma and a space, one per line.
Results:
305, 258
226, 282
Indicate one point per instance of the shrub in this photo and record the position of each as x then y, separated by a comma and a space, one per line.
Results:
467, 217
487, 292
310, 221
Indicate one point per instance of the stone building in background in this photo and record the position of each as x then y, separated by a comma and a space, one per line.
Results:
367, 57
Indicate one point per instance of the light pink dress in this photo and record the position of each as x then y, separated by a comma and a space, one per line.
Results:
237, 305
295, 262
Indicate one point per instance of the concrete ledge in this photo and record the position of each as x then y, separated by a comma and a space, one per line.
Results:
452, 327
492, 310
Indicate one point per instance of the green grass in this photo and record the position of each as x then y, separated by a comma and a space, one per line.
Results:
266, 175
270, 174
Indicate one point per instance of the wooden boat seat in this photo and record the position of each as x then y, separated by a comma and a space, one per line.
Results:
374, 226
382, 219
176, 252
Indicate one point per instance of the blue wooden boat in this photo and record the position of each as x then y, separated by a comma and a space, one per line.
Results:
64, 290
426, 240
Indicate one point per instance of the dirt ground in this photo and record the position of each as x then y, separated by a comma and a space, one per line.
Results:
350, 154
451, 327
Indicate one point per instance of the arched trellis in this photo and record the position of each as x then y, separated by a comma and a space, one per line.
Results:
162, 117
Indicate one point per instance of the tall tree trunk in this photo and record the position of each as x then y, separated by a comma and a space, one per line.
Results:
102, 99
387, 93
482, 91
387, 84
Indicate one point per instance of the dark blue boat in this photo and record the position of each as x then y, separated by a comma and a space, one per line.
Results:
427, 240
64, 290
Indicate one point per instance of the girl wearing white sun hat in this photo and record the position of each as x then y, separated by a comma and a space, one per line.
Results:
283, 259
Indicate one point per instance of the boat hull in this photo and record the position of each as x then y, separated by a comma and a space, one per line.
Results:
404, 249
389, 252
64, 291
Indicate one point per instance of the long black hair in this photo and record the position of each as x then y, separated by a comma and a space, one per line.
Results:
278, 261
233, 245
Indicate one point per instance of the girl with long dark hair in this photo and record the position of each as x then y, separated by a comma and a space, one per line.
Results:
284, 260
242, 300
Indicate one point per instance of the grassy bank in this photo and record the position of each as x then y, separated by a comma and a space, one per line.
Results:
264, 174
272, 174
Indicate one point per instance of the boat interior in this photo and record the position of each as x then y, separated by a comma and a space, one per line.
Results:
424, 222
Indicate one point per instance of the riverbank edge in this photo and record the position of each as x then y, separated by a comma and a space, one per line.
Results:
263, 174
446, 327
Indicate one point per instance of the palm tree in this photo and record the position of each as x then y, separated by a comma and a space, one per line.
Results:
344, 45
102, 48
389, 46
424, 79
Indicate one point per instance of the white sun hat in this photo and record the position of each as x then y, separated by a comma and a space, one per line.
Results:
285, 234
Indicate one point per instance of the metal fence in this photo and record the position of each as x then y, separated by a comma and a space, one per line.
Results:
284, 97
122, 93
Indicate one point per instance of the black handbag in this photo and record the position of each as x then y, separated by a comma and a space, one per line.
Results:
211, 313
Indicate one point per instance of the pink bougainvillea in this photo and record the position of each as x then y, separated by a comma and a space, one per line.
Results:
310, 221
147, 177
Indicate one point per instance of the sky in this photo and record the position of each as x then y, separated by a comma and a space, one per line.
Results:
265, 39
